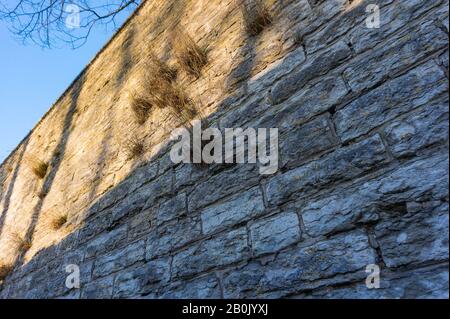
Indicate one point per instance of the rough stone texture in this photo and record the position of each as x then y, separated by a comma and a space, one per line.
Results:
364, 203
345, 163
306, 140
202, 288
428, 283
297, 269
418, 130
216, 252
165, 238
235, 210
318, 65
274, 233
363, 172
108, 264
416, 88
414, 237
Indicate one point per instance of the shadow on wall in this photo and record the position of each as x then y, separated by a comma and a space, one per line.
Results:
10, 188
57, 159
139, 190
170, 15
143, 188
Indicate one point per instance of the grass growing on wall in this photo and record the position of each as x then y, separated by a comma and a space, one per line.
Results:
191, 57
37, 166
181, 105
159, 69
58, 221
134, 148
140, 106
160, 93
23, 243
5, 270
256, 16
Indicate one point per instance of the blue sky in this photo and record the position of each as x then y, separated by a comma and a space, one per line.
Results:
32, 79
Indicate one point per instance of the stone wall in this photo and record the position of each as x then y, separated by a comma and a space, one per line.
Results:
363, 177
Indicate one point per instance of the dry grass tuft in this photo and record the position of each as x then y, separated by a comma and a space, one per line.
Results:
158, 89
181, 106
191, 57
59, 221
38, 167
164, 94
23, 243
161, 70
155, 91
134, 148
256, 16
160, 92
5, 270
141, 107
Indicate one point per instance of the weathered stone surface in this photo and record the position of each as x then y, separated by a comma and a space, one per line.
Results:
4, 292
188, 175
318, 14
129, 283
415, 237
246, 112
106, 241
98, 289
165, 238
160, 187
68, 243
216, 252
344, 163
298, 268
304, 105
71, 295
223, 184
339, 26
274, 233
276, 71
173, 208
141, 224
133, 282
232, 211
203, 288
419, 181
56, 278
339, 212
119, 259
442, 61
420, 129
431, 283
416, 182
305, 140
393, 15
319, 65
416, 88
394, 55
143, 175
363, 174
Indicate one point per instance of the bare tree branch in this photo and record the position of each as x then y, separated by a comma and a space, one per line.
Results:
49, 23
